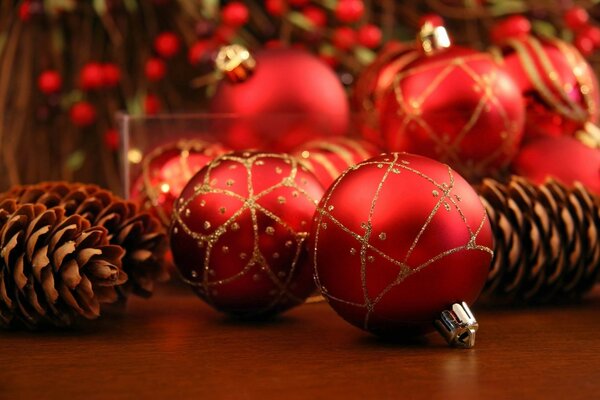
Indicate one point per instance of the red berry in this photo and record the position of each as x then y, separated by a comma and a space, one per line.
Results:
91, 76
315, 15
199, 52
591, 32
432, 19
152, 104
225, 34
166, 44
298, 3
82, 114
276, 7
511, 27
25, 11
584, 44
111, 74
49, 82
235, 14
349, 11
576, 18
369, 36
155, 69
111, 139
344, 38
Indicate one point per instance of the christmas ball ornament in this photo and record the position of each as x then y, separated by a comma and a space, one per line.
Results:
328, 158
563, 158
91, 76
239, 230
455, 105
152, 104
235, 14
82, 114
155, 69
49, 82
276, 93
111, 75
166, 170
559, 86
372, 84
166, 44
398, 239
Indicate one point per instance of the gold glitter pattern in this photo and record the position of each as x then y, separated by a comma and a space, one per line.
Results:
404, 270
256, 263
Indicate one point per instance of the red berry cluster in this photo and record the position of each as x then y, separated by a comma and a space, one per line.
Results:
587, 36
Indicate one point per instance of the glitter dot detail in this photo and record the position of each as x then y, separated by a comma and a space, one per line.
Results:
382, 236
288, 244
330, 208
243, 256
230, 182
222, 210
371, 258
447, 206
275, 256
206, 225
435, 193
235, 226
175, 230
281, 200
352, 251
225, 249
188, 212
194, 274
278, 170
270, 230
324, 225
202, 203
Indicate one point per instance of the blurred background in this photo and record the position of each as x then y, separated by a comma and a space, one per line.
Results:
68, 66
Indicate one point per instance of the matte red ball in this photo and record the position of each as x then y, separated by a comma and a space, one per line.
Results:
91, 76
166, 44
457, 106
328, 158
369, 35
49, 82
165, 170
276, 7
516, 26
111, 75
152, 104
235, 14
349, 11
560, 88
82, 114
239, 231
315, 15
576, 17
289, 91
155, 69
563, 158
396, 240
199, 52
343, 38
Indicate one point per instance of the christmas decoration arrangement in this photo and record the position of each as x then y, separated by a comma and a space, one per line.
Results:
404, 157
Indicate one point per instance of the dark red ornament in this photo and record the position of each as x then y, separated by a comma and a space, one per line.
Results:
239, 231
396, 240
328, 158
369, 35
276, 8
235, 14
111, 75
155, 69
152, 104
343, 38
49, 82
200, 51
349, 11
560, 88
563, 158
111, 139
165, 171
277, 95
166, 44
315, 15
455, 105
82, 114
576, 18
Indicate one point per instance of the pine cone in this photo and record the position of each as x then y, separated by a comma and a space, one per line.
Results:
140, 234
546, 240
53, 268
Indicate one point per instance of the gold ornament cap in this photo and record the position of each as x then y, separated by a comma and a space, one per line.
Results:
433, 38
458, 326
235, 62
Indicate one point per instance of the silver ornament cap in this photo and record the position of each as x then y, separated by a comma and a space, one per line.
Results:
458, 326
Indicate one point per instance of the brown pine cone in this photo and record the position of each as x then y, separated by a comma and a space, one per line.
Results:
140, 234
53, 268
546, 240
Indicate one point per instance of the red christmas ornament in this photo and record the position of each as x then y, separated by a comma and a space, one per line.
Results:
559, 86
563, 158
166, 170
315, 15
111, 139
369, 35
276, 8
91, 76
82, 114
49, 82
396, 240
328, 158
373, 83
199, 51
235, 14
343, 38
576, 17
349, 11
111, 75
155, 69
239, 231
166, 44
455, 105
152, 104
25, 11
275, 95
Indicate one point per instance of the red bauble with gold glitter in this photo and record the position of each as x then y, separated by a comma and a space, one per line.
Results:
166, 170
374, 82
559, 86
328, 158
563, 158
278, 98
455, 105
396, 240
239, 231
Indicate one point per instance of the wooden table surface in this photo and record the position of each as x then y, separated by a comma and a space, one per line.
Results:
173, 346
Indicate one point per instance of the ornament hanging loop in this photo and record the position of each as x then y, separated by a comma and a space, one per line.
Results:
433, 38
235, 62
458, 326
